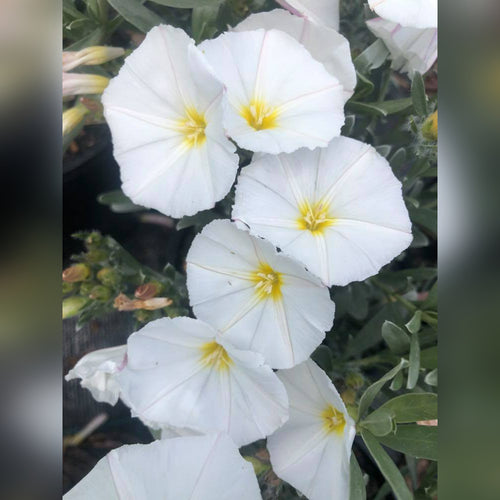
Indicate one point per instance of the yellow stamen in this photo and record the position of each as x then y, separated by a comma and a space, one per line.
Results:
333, 420
267, 282
259, 115
193, 128
215, 356
315, 217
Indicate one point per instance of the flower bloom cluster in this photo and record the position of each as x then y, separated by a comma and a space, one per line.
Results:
409, 30
313, 209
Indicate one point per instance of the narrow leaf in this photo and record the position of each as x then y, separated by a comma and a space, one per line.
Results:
396, 338
187, 4
371, 393
409, 408
418, 94
357, 489
387, 466
135, 13
414, 368
384, 108
432, 378
415, 322
372, 57
380, 422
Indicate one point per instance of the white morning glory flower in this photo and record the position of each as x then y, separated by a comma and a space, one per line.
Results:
312, 450
338, 210
323, 43
257, 299
97, 371
164, 111
412, 49
187, 468
180, 373
413, 13
325, 12
278, 97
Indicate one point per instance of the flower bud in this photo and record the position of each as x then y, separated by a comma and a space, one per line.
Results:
78, 83
72, 117
101, 293
349, 397
354, 380
86, 288
108, 276
148, 290
94, 238
67, 287
95, 256
72, 306
430, 127
77, 272
90, 56
143, 316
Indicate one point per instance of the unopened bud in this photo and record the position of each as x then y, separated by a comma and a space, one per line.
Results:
78, 84
72, 306
72, 117
101, 293
430, 127
86, 288
67, 287
143, 316
94, 238
77, 272
96, 256
349, 397
90, 56
123, 303
148, 290
108, 276
354, 380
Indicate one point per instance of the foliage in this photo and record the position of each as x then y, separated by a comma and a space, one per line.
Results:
382, 351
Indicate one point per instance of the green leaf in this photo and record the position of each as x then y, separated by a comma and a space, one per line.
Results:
380, 422
118, 202
96, 37
135, 13
429, 358
425, 218
371, 393
396, 338
416, 440
397, 382
204, 22
188, 4
372, 57
384, 108
431, 301
432, 378
410, 408
364, 87
418, 94
414, 368
387, 466
348, 127
384, 150
398, 158
415, 322
357, 488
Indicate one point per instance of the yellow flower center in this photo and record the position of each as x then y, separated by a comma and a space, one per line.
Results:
267, 282
215, 356
333, 420
314, 218
259, 115
193, 128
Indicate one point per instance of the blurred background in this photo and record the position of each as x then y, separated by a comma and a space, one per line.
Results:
37, 243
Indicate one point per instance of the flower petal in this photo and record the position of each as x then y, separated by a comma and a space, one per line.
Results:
97, 371
338, 210
275, 107
325, 44
258, 300
323, 12
164, 111
187, 468
412, 13
412, 49
305, 453
179, 374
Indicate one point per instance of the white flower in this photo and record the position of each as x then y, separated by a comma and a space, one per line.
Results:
278, 97
80, 84
258, 299
323, 43
338, 210
325, 12
97, 371
181, 374
90, 56
413, 13
313, 449
187, 468
412, 49
164, 111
